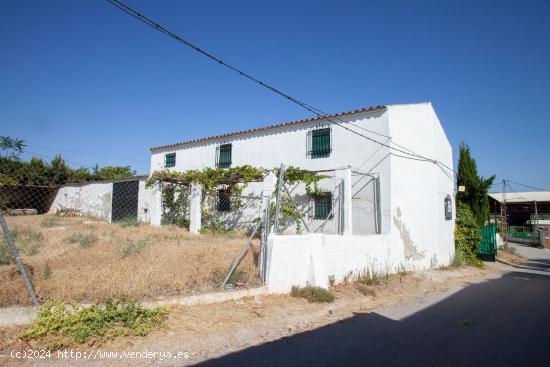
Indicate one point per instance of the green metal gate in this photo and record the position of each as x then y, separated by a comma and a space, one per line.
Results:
487, 248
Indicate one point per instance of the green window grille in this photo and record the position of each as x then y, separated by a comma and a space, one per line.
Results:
223, 156
322, 205
319, 143
170, 160
224, 201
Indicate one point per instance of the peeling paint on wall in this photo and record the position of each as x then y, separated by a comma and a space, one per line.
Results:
411, 250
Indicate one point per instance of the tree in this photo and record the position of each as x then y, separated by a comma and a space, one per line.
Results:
59, 172
11, 147
476, 187
112, 172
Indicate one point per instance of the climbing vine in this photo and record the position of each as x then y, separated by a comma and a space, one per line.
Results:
175, 190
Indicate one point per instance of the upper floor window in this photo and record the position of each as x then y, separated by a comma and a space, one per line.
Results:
170, 160
223, 156
448, 208
319, 143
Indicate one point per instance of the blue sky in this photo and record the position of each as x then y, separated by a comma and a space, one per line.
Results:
86, 80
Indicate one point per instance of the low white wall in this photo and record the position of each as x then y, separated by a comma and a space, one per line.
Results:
313, 258
92, 199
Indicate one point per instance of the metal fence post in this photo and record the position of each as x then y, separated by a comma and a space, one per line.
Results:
20, 265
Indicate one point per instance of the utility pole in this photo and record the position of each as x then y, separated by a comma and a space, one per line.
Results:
503, 216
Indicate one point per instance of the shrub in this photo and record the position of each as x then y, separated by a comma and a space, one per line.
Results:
467, 235
312, 294
133, 247
84, 240
64, 324
331, 280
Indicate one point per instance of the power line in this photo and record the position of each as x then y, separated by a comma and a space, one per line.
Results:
316, 111
531, 187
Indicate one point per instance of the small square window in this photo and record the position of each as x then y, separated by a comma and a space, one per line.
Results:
170, 160
223, 156
322, 205
223, 203
319, 143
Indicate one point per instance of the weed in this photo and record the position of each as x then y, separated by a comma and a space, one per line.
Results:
365, 290
238, 277
84, 240
27, 241
63, 324
331, 280
129, 222
50, 221
312, 294
509, 250
46, 272
133, 247
368, 277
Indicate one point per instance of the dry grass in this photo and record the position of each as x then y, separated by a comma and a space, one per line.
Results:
139, 262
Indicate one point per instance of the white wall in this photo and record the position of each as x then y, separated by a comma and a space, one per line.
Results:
92, 199
287, 145
311, 259
418, 188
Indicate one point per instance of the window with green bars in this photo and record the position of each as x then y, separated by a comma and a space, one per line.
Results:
223, 204
322, 205
223, 156
170, 160
319, 143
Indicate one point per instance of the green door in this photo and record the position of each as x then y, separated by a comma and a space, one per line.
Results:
487, 248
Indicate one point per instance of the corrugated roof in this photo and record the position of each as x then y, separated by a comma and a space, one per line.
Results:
199, 140
522, 197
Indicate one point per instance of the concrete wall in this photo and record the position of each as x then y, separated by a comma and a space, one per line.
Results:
92, 199
419, 188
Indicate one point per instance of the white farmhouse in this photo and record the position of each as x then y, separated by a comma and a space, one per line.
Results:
398, 196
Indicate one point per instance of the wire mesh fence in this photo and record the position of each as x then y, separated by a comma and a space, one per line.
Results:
69, 234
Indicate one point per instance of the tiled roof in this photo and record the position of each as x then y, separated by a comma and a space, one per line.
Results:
521, 197
292, 123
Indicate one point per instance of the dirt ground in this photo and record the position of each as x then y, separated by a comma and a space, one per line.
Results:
207, 331
84, 260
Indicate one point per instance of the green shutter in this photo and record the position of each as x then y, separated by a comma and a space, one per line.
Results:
170, 160
320, 143
224, 159
322, 206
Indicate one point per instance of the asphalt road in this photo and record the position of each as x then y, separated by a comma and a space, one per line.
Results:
500, 322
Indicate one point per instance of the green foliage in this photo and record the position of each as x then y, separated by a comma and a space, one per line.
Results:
64, 324
467, 236
11, 147
476, 186
13, 171
175, 204
312, 294
112, 173
133, 248
331, 280
85, 240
